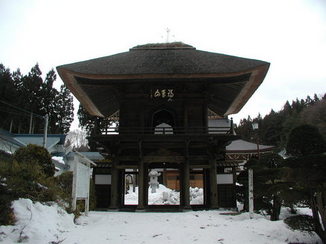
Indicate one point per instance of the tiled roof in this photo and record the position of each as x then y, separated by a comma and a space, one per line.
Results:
245, 146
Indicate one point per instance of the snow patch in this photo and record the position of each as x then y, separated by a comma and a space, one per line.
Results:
59, 160
37, 223
165, 196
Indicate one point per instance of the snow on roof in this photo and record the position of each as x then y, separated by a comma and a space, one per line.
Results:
59, 160
245, 146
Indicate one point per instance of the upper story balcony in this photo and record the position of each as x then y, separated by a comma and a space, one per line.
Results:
216, 127
165, 131
129, 141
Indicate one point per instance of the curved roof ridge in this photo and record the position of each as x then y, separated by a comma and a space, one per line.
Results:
165, 45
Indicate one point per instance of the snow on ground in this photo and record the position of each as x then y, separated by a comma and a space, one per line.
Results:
36, 223
39, 224
165, 196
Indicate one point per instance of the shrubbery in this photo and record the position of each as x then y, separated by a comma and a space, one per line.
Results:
268, 184
28, 174
33, 153
4, 156
307, 172
298, 180
301, 222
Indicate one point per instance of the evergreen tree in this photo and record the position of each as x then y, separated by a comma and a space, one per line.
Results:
26, 96
309, 101
315, 115
305, 140
307, 172
271, 133
63, 115
87, 121
268, 183
316, 98
275, 127
92, 125
7, 96
288, 124
245, 129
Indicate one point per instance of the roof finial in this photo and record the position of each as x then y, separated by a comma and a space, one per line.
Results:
167, 34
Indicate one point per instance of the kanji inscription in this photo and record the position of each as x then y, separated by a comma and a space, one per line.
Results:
166, 93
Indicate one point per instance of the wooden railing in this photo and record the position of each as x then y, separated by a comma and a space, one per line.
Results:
225, 127
165, 130
116, 130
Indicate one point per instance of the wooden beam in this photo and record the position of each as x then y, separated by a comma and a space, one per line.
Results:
127, 167
164, 159
192, 166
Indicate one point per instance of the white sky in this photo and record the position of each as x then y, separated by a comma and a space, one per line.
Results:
290, 34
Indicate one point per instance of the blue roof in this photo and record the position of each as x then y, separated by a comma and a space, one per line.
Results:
26, 137
21, 140
9, 137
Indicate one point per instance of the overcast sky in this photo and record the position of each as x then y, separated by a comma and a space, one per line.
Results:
290, 34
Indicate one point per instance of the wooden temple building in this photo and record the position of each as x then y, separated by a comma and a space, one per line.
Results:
168, 100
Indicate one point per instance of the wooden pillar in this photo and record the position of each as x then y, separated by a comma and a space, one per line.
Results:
251, 192
141, 180
186, 179
213, 183
185, 119
114, 184
186, 185
205, 117
141, 187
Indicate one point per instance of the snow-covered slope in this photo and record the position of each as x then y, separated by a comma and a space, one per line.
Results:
40, 224
37, 223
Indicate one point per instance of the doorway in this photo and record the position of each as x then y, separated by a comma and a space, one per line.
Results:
102, 182
130, 187
163, 185
197, 187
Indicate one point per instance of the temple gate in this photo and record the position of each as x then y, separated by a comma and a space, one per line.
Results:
171, 104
